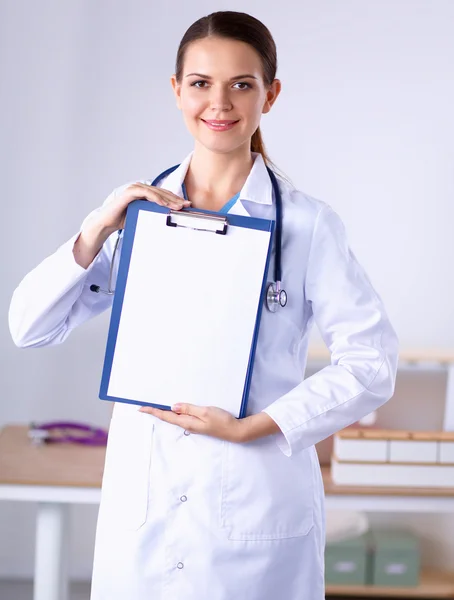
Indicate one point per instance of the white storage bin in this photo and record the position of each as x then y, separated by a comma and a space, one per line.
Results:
361, 450
447, 453
413, 451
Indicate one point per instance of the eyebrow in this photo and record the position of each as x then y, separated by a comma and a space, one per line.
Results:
245, 76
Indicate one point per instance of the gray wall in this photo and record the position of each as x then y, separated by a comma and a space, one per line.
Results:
364, 122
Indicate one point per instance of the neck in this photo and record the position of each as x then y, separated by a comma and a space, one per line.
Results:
213, 178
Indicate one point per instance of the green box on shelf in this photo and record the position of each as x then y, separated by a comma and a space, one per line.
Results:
348, 562
396, 558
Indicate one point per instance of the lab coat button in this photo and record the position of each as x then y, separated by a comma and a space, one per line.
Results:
180, 565
186, 432
183, 498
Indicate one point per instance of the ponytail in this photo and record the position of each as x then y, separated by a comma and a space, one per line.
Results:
257, 145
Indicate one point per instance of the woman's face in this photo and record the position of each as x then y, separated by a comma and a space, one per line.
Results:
222, 93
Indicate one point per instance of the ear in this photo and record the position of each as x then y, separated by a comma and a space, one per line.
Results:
271, 96
176, 90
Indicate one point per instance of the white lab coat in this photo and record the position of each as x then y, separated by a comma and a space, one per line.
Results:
189, 516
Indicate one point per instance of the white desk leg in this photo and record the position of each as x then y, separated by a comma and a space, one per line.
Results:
448, 422
52, 533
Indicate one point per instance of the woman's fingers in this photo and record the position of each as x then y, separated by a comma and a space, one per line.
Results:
112, 215
163, 197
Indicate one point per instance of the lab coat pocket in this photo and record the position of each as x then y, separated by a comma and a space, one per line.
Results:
265, 494
125, 486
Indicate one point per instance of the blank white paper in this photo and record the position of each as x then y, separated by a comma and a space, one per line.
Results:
188, 315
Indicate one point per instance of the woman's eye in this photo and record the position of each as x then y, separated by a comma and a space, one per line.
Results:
196, 84
243, 84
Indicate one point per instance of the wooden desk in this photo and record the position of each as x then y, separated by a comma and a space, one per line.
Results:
63, 465
58, 475
54, 476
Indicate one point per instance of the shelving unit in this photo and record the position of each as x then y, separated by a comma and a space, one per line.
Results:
433, 584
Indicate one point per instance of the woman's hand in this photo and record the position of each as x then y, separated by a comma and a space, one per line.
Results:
207, 420
111, 218
215, 422
112, 215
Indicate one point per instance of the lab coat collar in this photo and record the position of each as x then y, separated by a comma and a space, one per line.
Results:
257, 187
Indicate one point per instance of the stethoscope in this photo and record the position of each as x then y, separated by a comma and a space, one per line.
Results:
67, 432
275, 295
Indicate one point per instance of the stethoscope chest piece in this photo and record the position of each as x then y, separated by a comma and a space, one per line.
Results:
275, 297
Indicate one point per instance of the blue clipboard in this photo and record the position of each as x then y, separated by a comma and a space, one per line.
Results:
223, 224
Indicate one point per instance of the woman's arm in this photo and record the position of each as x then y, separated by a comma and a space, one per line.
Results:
354, 325
215, 422
55, 297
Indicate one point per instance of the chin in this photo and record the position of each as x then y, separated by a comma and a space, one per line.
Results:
220, 146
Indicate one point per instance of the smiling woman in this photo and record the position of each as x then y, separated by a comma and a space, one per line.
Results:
224, 84
195, 503
209, 49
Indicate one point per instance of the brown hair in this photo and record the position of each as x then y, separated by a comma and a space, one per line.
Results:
244, 28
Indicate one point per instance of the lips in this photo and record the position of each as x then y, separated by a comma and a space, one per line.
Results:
220, 125
219, 122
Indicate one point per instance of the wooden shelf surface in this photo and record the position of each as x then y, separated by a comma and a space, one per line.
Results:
433, 584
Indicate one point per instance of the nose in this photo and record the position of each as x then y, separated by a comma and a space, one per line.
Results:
220, 99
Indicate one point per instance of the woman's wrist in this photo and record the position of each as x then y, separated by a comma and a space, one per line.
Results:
89, 243
255, 427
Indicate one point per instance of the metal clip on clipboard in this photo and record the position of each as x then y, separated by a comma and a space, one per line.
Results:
197, 220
